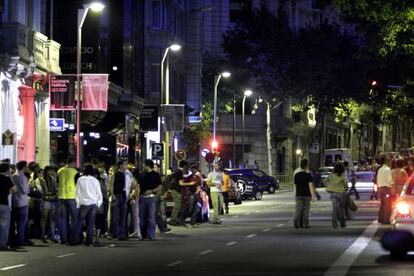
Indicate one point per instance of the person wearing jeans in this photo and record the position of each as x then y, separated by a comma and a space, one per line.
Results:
337, 185
68, 213
215, 182
119, 193
305, 193
6, 188
149, 185
88, 199
20, 200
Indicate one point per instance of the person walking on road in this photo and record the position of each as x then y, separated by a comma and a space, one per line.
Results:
215, 182
385, 183
49, 205
149, 185
88, 200
68, 213
225, 189
6, 188
305, 193
351, 172
337, 185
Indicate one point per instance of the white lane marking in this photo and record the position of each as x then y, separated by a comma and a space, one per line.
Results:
231, 243
12, 267
280, 225
345, 261
235, 216
257, 211
248, 214
173, 264
205, 252
250, 236
267, 229
65, 255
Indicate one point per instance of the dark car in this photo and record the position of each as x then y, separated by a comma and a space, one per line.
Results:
253, 182
321, 174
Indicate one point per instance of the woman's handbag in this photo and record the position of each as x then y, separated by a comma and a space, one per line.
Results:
350, 203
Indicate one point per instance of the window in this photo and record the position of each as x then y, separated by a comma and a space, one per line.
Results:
155, 80
258, 173
157, 14
239, 8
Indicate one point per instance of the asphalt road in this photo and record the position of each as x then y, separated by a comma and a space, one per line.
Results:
257, 238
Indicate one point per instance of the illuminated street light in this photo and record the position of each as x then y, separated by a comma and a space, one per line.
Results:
224, 74
82, 13
247, 93
165, 96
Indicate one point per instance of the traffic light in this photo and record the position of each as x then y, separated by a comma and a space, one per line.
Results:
214, 146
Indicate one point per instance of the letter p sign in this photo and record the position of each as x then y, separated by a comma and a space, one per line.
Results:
157, 150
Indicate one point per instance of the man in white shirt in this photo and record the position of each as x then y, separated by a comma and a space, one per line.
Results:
88, 200
215, 181
384, 183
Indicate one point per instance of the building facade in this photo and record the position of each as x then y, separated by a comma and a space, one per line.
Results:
28, 53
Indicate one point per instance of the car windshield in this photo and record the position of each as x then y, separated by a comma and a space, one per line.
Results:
365, 177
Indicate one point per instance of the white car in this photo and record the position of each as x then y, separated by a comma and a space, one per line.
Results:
364, 181
400, 239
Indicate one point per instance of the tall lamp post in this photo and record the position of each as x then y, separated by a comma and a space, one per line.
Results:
247, 93
217, 79
82, 13
165, 99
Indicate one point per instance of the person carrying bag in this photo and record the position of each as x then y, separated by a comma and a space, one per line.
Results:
337, 185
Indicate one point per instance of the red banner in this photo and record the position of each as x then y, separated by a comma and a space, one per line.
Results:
95, 92
62, 92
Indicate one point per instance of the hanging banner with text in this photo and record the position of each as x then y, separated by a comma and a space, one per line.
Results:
173, 117
95, 92
62, 92
148, 118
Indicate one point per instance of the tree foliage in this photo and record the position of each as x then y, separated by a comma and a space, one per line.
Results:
390, 21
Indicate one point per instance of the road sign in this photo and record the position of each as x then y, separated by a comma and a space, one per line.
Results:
56, 124
180, 155
157, 151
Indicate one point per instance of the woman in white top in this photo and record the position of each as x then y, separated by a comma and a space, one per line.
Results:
88, 200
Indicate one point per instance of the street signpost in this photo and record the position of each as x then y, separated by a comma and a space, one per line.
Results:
56, 124
157, 151
180, 155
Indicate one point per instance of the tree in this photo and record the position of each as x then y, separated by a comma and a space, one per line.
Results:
388, 23
319, 65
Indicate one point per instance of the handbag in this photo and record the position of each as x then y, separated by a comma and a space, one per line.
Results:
350, 203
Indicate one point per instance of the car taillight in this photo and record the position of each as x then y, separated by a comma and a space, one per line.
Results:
403, 208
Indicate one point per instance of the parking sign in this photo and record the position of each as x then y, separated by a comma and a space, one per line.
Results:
157, 151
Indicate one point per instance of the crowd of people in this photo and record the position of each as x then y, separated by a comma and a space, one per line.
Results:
71, 206
391, 174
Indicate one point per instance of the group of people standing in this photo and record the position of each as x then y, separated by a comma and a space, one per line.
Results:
122, 203
336, 186
390, 178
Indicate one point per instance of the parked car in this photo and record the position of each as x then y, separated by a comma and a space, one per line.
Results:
321, 174
364, 181
253, 182
400, 239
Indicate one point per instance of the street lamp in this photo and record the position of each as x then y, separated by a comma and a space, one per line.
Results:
247, 93
217, 79
82, 13
165, 89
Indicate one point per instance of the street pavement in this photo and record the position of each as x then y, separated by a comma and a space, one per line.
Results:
257, 238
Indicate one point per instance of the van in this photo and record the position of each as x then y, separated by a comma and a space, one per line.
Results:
334, 155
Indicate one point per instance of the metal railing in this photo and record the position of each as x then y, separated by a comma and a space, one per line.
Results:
284, 178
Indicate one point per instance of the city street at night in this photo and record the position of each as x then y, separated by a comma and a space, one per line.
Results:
257, 238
